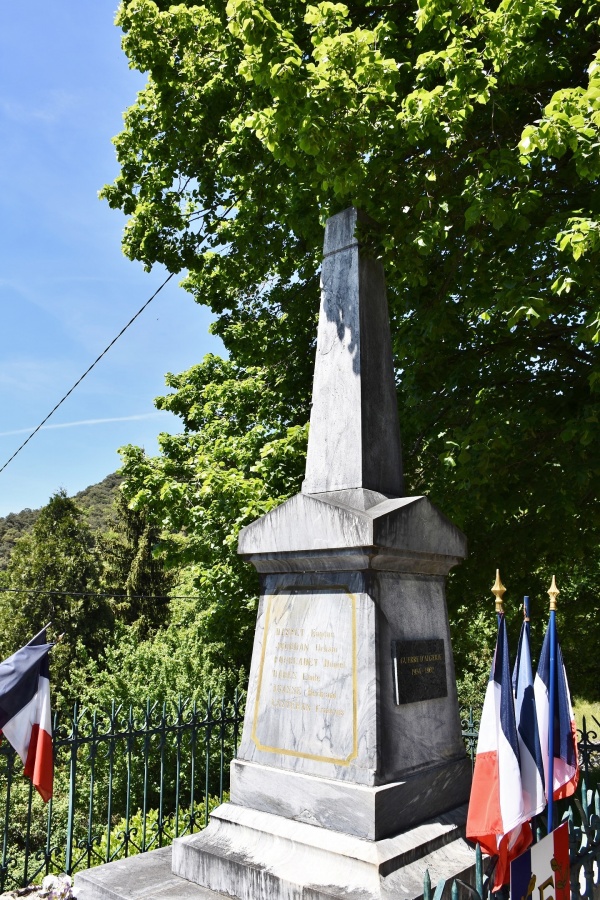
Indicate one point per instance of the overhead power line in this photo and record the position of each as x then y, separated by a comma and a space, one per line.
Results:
98, 594
87, 372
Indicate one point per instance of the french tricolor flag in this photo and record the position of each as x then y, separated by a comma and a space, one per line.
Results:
566, 766
496, 817
530, 750
25, 716
543, 870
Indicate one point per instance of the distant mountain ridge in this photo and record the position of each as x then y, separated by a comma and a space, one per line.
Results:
96, 501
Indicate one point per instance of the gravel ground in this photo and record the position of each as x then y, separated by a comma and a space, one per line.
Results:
33, 890
53, 887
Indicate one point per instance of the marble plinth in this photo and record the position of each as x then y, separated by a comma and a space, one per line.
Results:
147, 876
252, 855
321, 695
405, 534
371, 813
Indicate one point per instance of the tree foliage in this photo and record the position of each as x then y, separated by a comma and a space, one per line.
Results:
237, 459
469, 130
130, 571
52, 575
99, 590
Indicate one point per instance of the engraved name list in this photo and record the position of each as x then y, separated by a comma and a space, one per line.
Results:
306, 694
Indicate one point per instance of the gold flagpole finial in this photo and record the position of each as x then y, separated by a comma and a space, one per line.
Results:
498, 590
553, 593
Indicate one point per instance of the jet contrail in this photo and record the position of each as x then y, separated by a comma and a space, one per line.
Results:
83, 422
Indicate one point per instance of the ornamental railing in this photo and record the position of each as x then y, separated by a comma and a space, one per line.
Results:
126, 781
588, 742
582, 812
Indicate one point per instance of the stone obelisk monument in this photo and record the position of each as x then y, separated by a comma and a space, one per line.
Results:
351, 777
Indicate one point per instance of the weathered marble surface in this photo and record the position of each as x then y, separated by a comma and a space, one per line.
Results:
354, 438
427, 732
147, 876
314, 643
370, 740
367, 812
410, 527
306, 697
256, 856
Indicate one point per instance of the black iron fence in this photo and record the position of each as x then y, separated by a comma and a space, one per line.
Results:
588, 742
582, 813
128, 781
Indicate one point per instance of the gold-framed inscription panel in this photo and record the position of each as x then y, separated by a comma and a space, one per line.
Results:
309, 657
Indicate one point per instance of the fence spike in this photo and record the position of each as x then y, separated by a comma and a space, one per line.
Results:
584, 798
427, 885
478, 870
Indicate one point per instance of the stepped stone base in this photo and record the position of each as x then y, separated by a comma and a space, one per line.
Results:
144, 877
355, 809
252, 855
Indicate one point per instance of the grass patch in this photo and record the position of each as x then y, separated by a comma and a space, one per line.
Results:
591, 711
588, 709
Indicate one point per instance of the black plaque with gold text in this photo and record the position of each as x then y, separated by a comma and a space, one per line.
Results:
419, 670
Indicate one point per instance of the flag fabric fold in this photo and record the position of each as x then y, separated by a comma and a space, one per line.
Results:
530, 751
25, 715
566, 764
497, 818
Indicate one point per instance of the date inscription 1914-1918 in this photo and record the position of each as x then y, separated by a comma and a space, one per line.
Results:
419, 670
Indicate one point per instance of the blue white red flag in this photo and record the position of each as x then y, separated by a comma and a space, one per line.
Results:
497, 817
566, 764
25, 716
543, 871
530, 751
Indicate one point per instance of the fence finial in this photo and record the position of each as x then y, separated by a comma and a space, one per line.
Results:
553, 593
498, 590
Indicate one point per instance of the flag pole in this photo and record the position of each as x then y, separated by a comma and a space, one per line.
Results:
498, 590
34, 639
553, 593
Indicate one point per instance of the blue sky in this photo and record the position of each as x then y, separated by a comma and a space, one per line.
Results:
65, 287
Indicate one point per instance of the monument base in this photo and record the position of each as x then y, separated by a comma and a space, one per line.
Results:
366, 812
253, 855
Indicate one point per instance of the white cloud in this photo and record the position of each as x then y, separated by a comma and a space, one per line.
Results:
133, 418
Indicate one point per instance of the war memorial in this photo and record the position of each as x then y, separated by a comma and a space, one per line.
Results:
351, 778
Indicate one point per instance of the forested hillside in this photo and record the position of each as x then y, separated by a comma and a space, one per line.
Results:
96, 502
87, 565
12, 527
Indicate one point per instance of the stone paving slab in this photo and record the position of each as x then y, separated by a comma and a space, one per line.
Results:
147, 876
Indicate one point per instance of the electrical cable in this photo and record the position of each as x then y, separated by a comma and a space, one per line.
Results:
87, 371
98, 594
